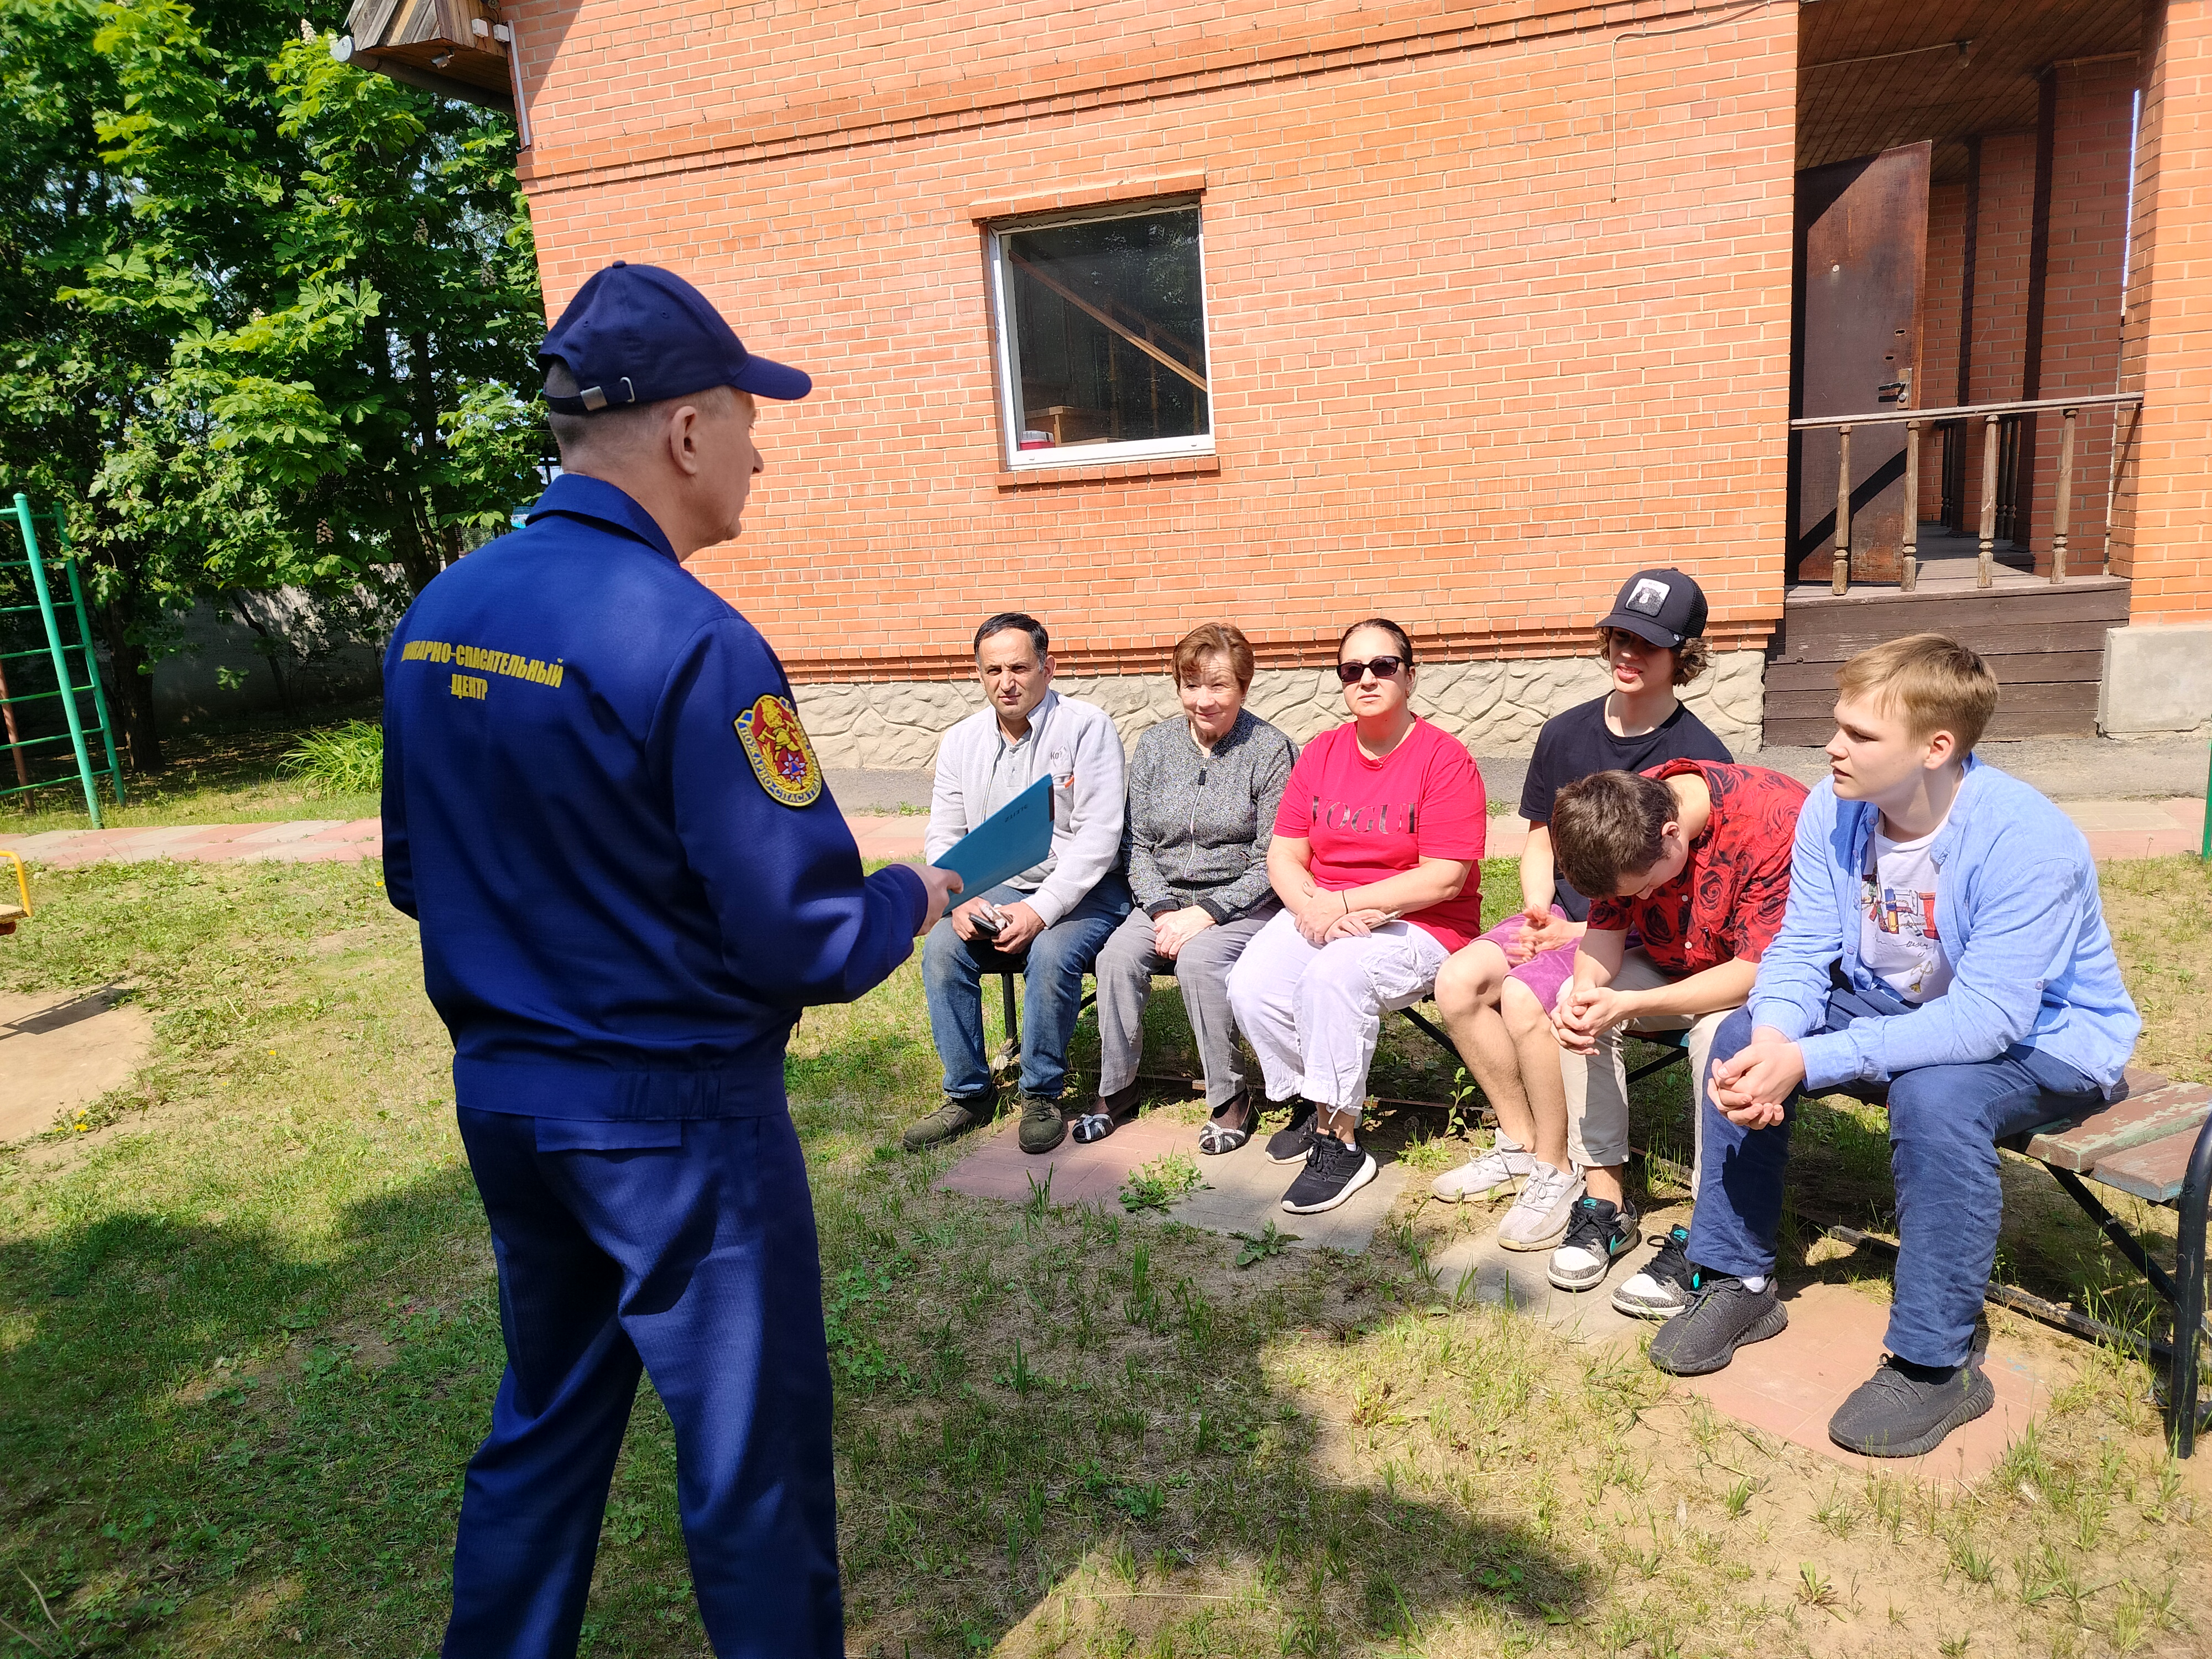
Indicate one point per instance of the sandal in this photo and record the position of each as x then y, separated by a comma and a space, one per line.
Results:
1217, 1137
1115, 1109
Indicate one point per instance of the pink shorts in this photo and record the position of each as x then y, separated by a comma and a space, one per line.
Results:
1547, 972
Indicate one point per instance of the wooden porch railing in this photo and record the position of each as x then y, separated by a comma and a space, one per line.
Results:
1993, 418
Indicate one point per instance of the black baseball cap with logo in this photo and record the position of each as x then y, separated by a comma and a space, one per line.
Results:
1662, 606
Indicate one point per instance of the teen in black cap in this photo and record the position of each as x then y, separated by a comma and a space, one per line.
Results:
1497, 995
601, 804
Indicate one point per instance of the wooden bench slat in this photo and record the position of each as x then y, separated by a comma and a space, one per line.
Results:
2152, 1171
2084, 1144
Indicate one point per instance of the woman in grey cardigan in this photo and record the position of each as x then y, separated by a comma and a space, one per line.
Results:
1203, 792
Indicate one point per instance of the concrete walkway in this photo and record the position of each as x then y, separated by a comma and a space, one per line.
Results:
2116, 830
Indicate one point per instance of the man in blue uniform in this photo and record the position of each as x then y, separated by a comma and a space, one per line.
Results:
601, 804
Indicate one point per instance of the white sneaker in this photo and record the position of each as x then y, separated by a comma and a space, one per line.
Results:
1486, 1175
1546, 1203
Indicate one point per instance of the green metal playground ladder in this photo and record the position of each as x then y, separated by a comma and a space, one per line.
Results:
57, 650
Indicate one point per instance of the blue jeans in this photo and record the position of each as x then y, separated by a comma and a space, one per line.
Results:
1053, 968
1944, 1125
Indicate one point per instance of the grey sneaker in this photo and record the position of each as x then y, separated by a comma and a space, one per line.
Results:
1660, 1289
1903, 1409
1541, 1210
1723, 1315
1599, 1235
1492, 1175
1043, 1128
958, 1114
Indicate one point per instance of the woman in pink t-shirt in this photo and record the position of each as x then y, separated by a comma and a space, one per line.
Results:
1374, 857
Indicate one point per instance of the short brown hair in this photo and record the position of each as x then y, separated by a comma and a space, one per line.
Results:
1213, 639
1691, 657
608, 433
1935, 683
1606, 826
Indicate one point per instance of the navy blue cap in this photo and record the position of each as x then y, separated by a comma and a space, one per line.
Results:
636, 334
1663, 607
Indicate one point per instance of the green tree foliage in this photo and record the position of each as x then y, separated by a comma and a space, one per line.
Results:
266, 319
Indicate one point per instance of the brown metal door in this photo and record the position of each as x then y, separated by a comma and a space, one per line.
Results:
1862, 249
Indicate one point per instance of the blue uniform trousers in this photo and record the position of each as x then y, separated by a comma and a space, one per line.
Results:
694, 1259
952, 970
1944, 1125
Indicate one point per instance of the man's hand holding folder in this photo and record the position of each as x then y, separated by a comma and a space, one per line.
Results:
1015, 838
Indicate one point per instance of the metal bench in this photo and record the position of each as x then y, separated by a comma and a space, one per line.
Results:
1675, 1044
2154, 1144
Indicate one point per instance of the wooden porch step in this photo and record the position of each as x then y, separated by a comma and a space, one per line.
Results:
2044, 642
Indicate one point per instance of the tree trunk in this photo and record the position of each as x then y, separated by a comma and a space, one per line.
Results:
271, 647
134, 698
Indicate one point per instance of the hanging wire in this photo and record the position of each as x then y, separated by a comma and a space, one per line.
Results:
1613, 78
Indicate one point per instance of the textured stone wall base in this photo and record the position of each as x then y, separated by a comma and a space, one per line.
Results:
1494, 708
2158, 681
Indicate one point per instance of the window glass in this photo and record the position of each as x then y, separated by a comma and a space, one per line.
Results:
1104, 326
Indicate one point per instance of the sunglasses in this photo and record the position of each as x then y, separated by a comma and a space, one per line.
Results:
1383, 668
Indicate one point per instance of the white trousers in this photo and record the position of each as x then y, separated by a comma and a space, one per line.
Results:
1597, 1084
1313, 1012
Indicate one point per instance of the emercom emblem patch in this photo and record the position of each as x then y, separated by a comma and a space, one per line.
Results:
783, 759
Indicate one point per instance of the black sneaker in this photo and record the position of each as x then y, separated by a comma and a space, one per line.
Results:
1660, 1289
1043, 1128
956, 1116
1903, 1409
1290, 1143
1333, 1172
1599, 1234
1723, 1315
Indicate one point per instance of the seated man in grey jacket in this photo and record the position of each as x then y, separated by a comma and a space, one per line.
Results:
1203, 792
1051, 920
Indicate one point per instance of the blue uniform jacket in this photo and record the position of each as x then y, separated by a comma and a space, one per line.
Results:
600, 805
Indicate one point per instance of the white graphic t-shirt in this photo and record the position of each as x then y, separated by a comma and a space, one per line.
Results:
1898, 937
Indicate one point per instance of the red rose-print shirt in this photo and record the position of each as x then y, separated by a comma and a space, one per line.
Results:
1727, 904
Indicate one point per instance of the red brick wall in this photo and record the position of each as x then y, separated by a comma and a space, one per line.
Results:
1942, 288
1999, 328
1486, 329
2081, 297
2166, 508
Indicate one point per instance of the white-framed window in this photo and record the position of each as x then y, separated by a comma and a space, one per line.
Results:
1101, 322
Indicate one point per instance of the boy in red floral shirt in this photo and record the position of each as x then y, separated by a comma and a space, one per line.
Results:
1693, 856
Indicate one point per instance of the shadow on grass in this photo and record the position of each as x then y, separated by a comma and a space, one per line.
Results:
215, 1440
203, 1431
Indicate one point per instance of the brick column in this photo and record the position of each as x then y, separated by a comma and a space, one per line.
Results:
2166, 519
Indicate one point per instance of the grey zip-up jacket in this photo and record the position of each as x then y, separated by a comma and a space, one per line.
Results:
1076, 745
1200, 823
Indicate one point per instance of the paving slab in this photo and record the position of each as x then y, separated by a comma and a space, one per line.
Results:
1790, 1385
2115, 829
355, 829
1483, 1270
277, 835
1244, 1191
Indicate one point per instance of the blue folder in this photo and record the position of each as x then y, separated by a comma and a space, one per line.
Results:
1011, 840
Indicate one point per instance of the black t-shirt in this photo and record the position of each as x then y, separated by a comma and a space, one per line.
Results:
1578, 743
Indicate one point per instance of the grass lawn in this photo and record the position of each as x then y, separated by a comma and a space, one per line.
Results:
219, 772
249, 1336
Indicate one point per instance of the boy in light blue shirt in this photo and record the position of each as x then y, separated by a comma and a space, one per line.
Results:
1944, 937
